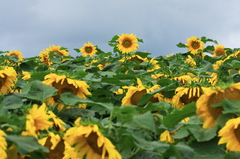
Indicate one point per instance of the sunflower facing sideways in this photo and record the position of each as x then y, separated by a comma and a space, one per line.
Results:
65, 84
230, 134
88, 49
208, 113
186, 95
127, 43
8, 77
90, 142
134, 93
16, 53
194, 44
37, 119
45, 55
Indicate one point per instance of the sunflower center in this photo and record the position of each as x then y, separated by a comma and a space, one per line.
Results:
195, 45
57, 152
237, 133
62, 88
88, 49
127, 43
2, 81
92, 142
219, 53
136, 96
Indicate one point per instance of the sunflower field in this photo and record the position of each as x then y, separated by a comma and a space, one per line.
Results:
122, 104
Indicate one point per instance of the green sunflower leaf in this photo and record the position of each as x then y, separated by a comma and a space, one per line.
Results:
202, 134
36, 90
73, 100
26, 144
12, 102
181, 45
177, 115
145, 121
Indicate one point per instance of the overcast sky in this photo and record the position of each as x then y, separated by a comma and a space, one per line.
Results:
32, 25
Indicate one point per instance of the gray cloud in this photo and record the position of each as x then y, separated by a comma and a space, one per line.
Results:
31, 26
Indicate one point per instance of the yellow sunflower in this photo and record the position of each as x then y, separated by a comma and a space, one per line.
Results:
57, 122
230, 134
194, 44
191, 61
210, 114
3, 145
37, 119
44, 55
186, 95
127, 43
55, 144
8, 77
218, 51
134, 94
184, 79
88, 49
167, 136
153, 65
89, 141
27, 75
65, 84
16, 53
134, 58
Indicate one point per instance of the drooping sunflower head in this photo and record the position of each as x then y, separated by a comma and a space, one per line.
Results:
134, 93
186, 95
16, 53
88, 49
57, 50
91, 142
134, 58
208, 113
194, 44
218, 51
127, 43
8, 77
55, 144
64, 84
230, 134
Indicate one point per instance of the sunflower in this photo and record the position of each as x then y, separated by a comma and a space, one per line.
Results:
184, 79
153, 65
16, 53
230, 134
210, 114
135, 58
8, 77
88, 49
44, 55
27, 75
167, 137
3, 145
57, 122
190, 61
55, 144
218, 51
65, 84
194, 44
134, 94
89, 141
127, 43
186, 95
37, 119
